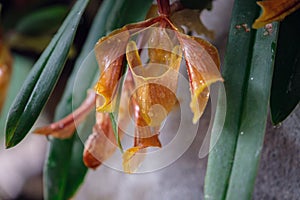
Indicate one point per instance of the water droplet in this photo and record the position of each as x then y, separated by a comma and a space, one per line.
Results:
251, 78
277, 125
242, 133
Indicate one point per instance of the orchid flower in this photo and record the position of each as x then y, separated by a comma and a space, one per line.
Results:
153, 50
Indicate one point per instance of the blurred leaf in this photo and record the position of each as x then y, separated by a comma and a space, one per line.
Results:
45, 20
285, 93
21, 68
42, 79
5, 71
247, 71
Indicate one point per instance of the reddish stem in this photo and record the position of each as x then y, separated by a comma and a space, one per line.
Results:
163, 7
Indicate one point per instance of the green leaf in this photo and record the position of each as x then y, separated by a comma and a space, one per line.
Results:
115, 114
285, 93
43, 77
21, 68
247, 71
59, 183
42, 21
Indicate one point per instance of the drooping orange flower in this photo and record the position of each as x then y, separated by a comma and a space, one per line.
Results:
275, 10
154, 50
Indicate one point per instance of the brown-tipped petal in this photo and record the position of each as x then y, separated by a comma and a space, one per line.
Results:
5, 72
203, 64
275, 10
65, 127
110, 53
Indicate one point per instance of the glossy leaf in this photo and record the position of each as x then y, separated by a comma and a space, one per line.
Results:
285, 94
247, 74
43, 77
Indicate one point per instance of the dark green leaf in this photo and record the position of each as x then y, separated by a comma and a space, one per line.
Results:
40, 82
21, 68
285, 93
58, 181
42, 21
247, 71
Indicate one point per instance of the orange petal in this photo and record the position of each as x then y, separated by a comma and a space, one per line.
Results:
65, 127
275, 10
110, 52
5, 72
203, 64
145, 136
101, 144
155, 85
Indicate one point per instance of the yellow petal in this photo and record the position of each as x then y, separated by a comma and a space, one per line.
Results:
65, 127
5, 72
202, 61
132, 159
110, 52
275, 10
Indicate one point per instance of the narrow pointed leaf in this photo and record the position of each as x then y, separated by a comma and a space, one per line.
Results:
41, 81
285, 94
247, 73
57, 182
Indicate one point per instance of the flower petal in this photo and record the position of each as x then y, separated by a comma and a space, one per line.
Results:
202, 61
110, 52
155, 84
275, 10
65, 127
102, 143
145, 136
